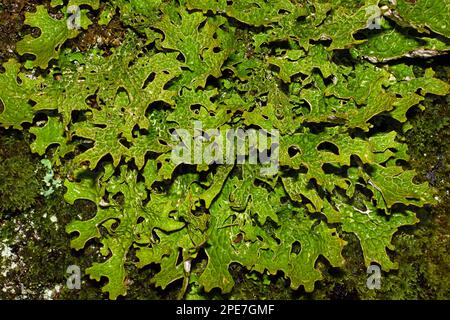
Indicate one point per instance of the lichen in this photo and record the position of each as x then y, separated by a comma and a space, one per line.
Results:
317, 74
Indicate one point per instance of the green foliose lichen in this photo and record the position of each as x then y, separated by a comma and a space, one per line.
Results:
318, 74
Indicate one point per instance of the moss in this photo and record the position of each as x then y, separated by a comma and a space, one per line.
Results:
40, 251
20, 175
36, 247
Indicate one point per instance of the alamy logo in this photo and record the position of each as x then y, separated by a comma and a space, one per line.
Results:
374, 17
74, 18
214, 146
374, 279
74, 280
